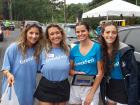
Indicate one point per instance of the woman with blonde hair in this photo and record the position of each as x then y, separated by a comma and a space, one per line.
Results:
54, 88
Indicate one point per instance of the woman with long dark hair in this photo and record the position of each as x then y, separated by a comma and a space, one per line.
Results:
86, 60
120, 83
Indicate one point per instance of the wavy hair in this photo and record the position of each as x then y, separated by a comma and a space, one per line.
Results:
63, 43
22, 41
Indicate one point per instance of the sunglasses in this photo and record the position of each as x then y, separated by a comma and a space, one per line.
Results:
33, 24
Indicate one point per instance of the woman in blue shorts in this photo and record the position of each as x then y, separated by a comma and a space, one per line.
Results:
86, 59
21, 62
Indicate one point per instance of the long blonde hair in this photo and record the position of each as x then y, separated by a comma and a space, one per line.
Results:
63, 43
22, 41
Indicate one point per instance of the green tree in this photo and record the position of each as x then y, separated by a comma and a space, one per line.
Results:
31, 10
1, 8
96, 3
41, 10
75, 11
56, 10
134, 1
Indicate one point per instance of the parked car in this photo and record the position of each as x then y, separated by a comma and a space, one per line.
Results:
2, 25
131, 36
11, 25
1, 34
70, 33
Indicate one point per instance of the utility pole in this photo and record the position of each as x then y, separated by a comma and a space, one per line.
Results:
53, 8
10, 9
65, 11
136, 2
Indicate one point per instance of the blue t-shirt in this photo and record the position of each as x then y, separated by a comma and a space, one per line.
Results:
56, 65
24, 71
86, 63
116, 72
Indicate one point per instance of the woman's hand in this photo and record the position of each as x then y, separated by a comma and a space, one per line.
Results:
89, 98
10, 78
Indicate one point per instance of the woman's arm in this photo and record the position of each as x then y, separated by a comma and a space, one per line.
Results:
96, 83
99, 76
72, 71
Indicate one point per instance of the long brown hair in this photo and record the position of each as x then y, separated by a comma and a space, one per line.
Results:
22, 41
84, 24
109, 58
63, 43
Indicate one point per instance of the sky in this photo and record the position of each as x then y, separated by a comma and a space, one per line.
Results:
77, 1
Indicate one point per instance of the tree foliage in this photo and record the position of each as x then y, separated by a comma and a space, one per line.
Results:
74, 11
0, 9
31, 9
51, 10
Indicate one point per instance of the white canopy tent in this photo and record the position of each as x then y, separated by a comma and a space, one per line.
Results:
114, 8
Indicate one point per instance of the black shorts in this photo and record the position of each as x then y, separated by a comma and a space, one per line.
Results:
116, 91
51, 91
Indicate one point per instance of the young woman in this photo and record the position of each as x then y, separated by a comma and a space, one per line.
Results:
21, 62
86, 58
54, 88
120, 69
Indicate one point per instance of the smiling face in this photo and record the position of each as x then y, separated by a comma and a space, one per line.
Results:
32, 36
81, 32
110, 34
55, 36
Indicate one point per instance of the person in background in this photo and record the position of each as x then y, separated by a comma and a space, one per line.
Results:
120, 84
98, 30
54, 87
86, 59
7, 27
21, 62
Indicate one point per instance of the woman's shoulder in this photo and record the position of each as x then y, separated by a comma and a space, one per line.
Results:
13, 45
75, 47
12, 48
96, 44
124, 48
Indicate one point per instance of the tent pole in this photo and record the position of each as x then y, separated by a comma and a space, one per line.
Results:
107, 17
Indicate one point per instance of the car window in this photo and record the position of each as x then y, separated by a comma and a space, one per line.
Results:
70, 31
134, 38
